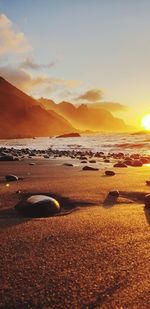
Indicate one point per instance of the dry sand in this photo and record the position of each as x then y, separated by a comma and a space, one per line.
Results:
96, 257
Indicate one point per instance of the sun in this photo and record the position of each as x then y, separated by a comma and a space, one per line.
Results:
146, 122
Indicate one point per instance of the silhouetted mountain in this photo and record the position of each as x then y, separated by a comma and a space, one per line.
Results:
86, 117
22, 116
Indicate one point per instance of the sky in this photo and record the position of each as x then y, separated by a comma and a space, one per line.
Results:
62, 49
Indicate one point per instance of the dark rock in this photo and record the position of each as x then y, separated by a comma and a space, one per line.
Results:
83, 161
107, 161
92, 161
148, 182
68, 135
68, 164
137, 163
39, 206
6, 158
120, 164
11, 178
114, 193
109, 173
31, 163
89, 168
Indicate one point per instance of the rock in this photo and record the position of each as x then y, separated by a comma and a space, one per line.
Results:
109, 173
107, 161
147, 200
137, 163
6, 158
128, 162
148, 182
46, 157
68, 135
120, 164
83, 162
114, 193
31, 163
89, 168
68, 164
11, 177
92, 161
39, 206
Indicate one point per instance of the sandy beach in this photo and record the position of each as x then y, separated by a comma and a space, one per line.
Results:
95, 257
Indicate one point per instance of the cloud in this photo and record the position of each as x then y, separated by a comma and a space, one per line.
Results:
110, 106
92, 95
11, 41
29, 63
38, 85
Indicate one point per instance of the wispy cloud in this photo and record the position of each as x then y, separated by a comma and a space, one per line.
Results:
40, 84
11, 41
92, 95
29, 63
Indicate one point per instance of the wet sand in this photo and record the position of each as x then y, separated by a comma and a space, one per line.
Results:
95, 257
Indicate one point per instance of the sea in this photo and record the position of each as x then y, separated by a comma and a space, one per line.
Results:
108, 143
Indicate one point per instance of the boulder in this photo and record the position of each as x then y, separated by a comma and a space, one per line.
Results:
109, 173
68, 164
6, 158
114, 193
120, 164
89, 168
11, 177
137, 163
68, 135
39, 206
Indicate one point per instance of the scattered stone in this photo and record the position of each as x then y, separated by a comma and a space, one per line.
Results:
11, 177
39, 206
68, 164
137, 163
114, 193
89, 168
109, 173
120, 164
6, 158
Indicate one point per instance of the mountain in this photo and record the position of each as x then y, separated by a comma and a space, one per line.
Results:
22, 116
86, 117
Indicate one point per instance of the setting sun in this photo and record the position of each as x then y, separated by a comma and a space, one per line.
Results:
146, 122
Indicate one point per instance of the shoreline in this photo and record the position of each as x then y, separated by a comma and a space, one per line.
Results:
88, 258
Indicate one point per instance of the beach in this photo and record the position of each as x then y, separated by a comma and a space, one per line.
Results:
96, 256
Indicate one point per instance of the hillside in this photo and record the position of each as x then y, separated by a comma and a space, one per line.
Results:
22, 116
86, 117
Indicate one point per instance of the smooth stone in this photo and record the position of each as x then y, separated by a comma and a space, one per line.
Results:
109, 173
89, 168
11, 177
114, 193
6, 158
31, 163
39, 206
68, 164
106, 161
137, 163
120, 164
147, 200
